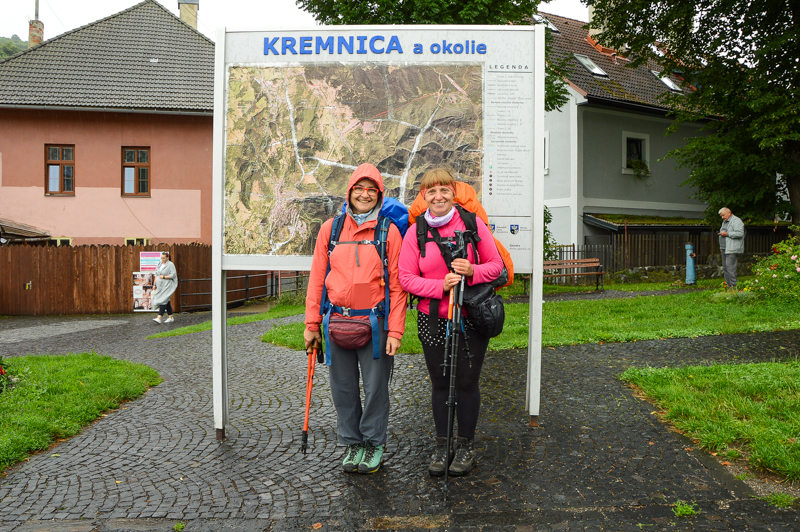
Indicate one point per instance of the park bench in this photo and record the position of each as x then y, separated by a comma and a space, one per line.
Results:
577, 264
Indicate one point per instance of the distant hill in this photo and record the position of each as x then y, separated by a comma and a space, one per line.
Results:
11, 46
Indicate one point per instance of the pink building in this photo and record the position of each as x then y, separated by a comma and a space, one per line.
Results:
106, 131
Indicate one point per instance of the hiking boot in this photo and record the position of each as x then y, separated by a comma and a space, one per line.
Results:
157, 319
169, 320
437, 465
373, 455
353, 457
465, 458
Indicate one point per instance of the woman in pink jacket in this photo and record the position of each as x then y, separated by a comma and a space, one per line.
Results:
429, 278
355, 282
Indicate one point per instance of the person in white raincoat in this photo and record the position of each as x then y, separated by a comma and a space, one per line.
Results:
166, 284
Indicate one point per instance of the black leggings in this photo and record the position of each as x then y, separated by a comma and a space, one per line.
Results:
468, 373
167, 307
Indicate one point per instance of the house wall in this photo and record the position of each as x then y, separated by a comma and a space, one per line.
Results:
561, 173
178, 209
607, 189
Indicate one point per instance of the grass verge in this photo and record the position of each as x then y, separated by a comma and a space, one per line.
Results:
750, 410
282, 309
54, 397
702, 313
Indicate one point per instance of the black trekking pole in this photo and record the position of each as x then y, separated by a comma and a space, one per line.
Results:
451, 345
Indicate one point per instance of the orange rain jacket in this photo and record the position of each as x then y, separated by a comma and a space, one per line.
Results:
356, 270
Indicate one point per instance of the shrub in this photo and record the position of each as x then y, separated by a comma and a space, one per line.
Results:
778, 275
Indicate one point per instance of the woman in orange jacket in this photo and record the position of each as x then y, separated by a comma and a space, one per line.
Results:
355, 288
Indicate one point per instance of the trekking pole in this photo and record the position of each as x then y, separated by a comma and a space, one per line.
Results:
454, 325
312, 356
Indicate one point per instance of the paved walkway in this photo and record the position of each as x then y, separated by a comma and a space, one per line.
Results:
599, 461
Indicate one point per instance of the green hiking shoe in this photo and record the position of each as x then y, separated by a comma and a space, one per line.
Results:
373, 455
353, 457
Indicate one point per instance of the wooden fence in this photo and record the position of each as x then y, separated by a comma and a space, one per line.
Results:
40, 280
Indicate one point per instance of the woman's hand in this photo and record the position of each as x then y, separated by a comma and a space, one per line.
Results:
392, 345
463, 267
309, 337
450, 280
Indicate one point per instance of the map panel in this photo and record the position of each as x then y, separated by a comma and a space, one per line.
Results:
295, 134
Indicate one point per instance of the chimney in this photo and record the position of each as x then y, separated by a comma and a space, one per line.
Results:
188, 10
592, 31
35, 29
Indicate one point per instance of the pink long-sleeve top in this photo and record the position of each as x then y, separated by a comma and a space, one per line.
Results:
424, 276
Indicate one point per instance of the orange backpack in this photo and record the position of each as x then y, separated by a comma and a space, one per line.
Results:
468, 199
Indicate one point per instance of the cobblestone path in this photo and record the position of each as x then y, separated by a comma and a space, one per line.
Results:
599, 460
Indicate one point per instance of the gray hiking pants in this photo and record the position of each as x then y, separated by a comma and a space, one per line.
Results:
730, 262
357, 424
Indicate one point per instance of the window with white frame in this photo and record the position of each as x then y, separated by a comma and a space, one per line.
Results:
666, 80
590, 65
635, 147
136, 171
539, 19
59, 179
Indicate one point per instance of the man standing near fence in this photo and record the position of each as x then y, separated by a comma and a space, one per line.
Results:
731, 244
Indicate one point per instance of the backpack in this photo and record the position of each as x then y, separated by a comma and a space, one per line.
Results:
483, 305
392, 211
471, 235
468, 199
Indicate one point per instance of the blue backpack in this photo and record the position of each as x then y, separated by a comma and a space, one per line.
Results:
392, 211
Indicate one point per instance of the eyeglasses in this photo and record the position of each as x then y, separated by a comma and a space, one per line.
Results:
358, 189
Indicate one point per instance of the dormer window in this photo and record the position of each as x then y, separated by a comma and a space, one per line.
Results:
539, 19
590, 66
671, 85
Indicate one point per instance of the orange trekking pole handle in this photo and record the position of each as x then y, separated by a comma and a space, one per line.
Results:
312, 360
450, 304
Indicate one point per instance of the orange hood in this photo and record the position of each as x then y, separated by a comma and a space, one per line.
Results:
368, 171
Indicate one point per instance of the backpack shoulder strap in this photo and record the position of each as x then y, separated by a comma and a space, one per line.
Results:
422, 233
336, 230
470, 220
381, 236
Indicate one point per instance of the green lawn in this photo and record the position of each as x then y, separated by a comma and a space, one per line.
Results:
746, 410
701, 313
53, 397
281, 310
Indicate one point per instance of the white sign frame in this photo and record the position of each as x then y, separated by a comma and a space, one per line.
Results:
514, 54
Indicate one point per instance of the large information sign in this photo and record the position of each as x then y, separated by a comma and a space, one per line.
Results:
296, 111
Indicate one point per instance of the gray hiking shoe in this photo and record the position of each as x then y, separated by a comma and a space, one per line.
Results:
465, 458
353, 457
437, 465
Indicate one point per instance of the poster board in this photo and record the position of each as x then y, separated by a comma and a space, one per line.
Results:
143, 283
297, 110
149, 260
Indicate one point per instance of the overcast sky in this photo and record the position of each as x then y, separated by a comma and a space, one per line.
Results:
60, 16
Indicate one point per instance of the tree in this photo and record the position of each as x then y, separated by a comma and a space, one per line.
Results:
8, 48
740, 61
500, 12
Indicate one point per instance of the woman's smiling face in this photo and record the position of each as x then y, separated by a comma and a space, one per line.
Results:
439, 199
363, 196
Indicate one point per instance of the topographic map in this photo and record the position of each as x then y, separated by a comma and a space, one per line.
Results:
295, 134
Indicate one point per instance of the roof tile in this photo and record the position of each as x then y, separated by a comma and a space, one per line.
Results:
107, 64
623, 85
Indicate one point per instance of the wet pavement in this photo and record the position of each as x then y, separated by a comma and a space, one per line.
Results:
599, 461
